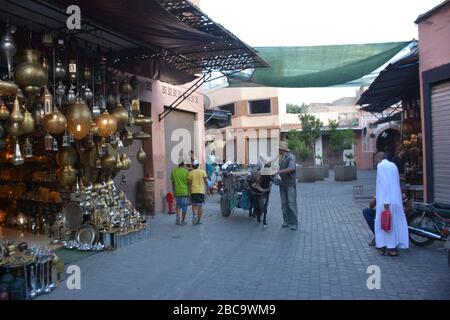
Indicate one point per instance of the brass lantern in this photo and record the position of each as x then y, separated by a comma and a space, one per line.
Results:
107, 125
28, 148
17, 159
121, 115
48, 142
55, 123
78, 119
48, 101
27, 125
4, 112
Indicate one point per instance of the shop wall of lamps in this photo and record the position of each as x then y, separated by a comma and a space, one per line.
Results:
78, 108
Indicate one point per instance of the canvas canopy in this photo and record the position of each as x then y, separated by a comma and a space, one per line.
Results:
317, 66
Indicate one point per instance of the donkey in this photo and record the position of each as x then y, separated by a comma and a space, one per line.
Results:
260, 185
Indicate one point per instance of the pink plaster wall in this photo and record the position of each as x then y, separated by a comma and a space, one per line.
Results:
434, 51
161, 94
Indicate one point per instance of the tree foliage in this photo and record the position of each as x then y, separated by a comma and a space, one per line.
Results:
296, 143
340, 140
296, 109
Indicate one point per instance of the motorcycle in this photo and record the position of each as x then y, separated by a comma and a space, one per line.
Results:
429, 222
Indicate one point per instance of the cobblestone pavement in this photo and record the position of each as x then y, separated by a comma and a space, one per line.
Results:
235, 258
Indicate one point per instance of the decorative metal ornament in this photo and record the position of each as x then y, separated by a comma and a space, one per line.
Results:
55, 145
60, 92
140, 120
16, 115
121, 115
31, 73
107, 125
141, 156
73, 70
126, 87
67, 156
39, 115
141, 136
66, 140
79, 119
87, 94
28, 149
8, 88
48, 101
47, 39
48, 142
87, 73
27, 125
70, 97
55, 123
46, 63
9, 48
135, 106
60, 71
4, 112
17, 159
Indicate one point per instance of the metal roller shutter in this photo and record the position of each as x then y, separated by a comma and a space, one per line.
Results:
177, 120
440, 117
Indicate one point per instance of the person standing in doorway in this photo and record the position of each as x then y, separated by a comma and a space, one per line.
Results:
288, 187
389, 198
198, 184
180, 188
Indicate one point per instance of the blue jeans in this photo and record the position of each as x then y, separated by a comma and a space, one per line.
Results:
369, 215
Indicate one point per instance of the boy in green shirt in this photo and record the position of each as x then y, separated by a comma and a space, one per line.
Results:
180, 184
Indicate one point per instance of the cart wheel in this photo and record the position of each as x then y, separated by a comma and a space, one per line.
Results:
225, 206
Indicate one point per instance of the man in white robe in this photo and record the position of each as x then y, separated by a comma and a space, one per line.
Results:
389, 197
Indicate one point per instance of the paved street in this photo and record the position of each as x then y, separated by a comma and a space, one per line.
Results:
235, 258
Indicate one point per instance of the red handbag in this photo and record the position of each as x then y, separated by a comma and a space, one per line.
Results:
386, 220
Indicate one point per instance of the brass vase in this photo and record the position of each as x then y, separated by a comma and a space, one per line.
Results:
27, 125
79, 119
107, 125
67, 176
30, 73
66, 156
141, 156
121, 115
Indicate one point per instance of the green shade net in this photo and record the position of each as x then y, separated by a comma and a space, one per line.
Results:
317, 66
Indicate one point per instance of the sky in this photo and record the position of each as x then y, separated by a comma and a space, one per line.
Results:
262, 23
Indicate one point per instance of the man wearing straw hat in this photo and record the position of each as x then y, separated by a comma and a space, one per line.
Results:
288, 186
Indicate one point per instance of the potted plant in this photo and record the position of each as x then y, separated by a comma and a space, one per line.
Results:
341, 140
325, 167
297, 145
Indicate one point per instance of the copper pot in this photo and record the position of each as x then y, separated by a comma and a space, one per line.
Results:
31, 73
4, 112
79, 119
67, 176
27, 125
66, 156
107, 125
141, 156
55, 123
121, 115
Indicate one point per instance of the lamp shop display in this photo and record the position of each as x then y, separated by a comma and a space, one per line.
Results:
64, 127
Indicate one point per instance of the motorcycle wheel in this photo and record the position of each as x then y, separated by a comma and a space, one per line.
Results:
416, 221
225, 206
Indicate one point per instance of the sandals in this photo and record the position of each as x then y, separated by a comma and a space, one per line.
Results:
388, 252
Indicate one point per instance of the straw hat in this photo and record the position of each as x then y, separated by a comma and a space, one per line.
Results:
284, 146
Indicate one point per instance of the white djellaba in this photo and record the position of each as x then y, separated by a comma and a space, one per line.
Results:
389, 192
